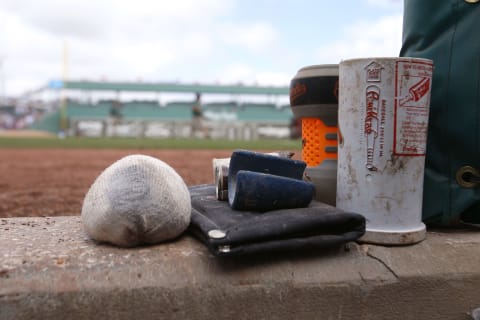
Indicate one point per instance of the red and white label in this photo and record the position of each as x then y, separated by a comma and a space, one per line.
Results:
413, 83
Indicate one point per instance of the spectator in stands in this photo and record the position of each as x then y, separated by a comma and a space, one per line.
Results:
295, 128
197, 118
115, 110
115, 115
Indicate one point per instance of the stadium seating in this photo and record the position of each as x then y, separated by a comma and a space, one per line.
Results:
218, 113
263, 113
50, 122
94, 111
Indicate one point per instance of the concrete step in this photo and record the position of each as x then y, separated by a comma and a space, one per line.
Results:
49, 269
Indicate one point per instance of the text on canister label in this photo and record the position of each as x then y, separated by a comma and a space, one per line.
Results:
412, 102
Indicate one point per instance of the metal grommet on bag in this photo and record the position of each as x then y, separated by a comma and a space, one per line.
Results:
224, 249
468, 177
216, 234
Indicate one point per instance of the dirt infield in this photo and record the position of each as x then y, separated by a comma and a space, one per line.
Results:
26, 133
54, 182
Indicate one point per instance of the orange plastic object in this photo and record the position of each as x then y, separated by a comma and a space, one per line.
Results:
316, 145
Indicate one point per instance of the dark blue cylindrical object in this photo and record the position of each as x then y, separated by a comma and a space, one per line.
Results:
265, 163
264, 192
263, 182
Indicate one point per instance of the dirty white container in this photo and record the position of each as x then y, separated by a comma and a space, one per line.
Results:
383, 119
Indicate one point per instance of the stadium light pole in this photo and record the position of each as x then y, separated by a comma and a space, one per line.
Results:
2, 81
63, 102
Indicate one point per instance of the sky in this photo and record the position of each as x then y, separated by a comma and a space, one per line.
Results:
254, 42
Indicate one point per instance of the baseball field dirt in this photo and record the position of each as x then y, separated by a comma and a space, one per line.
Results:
53, 182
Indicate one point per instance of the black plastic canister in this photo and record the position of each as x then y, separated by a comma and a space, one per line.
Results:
314, 100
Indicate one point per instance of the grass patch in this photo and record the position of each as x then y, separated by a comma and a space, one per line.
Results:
147, 143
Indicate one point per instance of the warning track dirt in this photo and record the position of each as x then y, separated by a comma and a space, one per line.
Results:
53, 182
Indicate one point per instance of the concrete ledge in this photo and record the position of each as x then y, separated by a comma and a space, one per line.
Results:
49, 269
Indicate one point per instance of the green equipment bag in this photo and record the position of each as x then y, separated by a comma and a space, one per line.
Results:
447, 32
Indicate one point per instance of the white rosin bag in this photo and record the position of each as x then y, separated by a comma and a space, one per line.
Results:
137, 200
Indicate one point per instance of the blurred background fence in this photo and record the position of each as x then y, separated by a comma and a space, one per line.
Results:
105, 109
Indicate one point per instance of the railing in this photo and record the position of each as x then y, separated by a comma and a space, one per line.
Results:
232, 130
